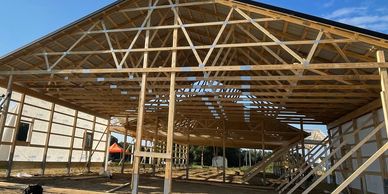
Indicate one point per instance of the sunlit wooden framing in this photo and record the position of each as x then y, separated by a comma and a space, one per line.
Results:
238, 67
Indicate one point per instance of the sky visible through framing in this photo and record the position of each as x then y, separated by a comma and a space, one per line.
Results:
23, 21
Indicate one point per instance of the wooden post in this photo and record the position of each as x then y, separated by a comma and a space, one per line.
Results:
141, 110
318, 153
155, 141
364, 166
343, 151
188, 155
363, 183
132, 152
107, 145
384, 86
125, 147
171, 112
4, 111
263, 151
250, 158
340, 161
139, 130
203, 147
43, 168
72, 142
13, 146
150, 148
178, 150
333, 176
223, 158
90, 152
302, 137
108, 137
174, 160
181, 155
380, 143
384, 102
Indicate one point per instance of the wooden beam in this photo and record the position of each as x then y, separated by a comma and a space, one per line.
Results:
361, 169
38, 94
125, 147
171, 109
188, 25
225, 86
202, 47
5, 107
307, 23
107, 145
356, 113
155, 141
47, 141
14, 137
356, 136
201, 78
69, 159
154, 154
302, 137
140, 118
169, 6
224, 155
380, 143
344, 157
91, 152
384, 86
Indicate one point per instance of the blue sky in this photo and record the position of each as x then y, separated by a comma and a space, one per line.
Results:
370, 14
23, 21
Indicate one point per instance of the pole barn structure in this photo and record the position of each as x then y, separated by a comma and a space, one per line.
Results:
227, 73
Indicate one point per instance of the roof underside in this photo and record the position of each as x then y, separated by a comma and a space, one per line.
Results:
260, 64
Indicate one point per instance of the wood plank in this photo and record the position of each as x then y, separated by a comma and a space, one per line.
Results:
5, 106
47, 141
15, 134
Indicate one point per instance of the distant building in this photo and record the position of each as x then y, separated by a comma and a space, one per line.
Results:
217, 161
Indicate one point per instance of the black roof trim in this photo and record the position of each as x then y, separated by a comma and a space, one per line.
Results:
317, 19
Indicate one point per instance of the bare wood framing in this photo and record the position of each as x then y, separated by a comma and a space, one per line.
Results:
47, 141
141, 110
69, 159
233, 64
122, 161
171, 110
15, 132
4, 110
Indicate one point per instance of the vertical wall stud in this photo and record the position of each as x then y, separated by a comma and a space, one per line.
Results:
13, 146
4, 110
72, 142
47, 142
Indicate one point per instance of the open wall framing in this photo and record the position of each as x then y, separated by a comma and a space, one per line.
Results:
53, 136
372, 179
189, 71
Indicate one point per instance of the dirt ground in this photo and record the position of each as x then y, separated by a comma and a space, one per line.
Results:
206, 180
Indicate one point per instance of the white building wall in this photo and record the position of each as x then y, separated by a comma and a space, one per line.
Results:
37, 113
373, 174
